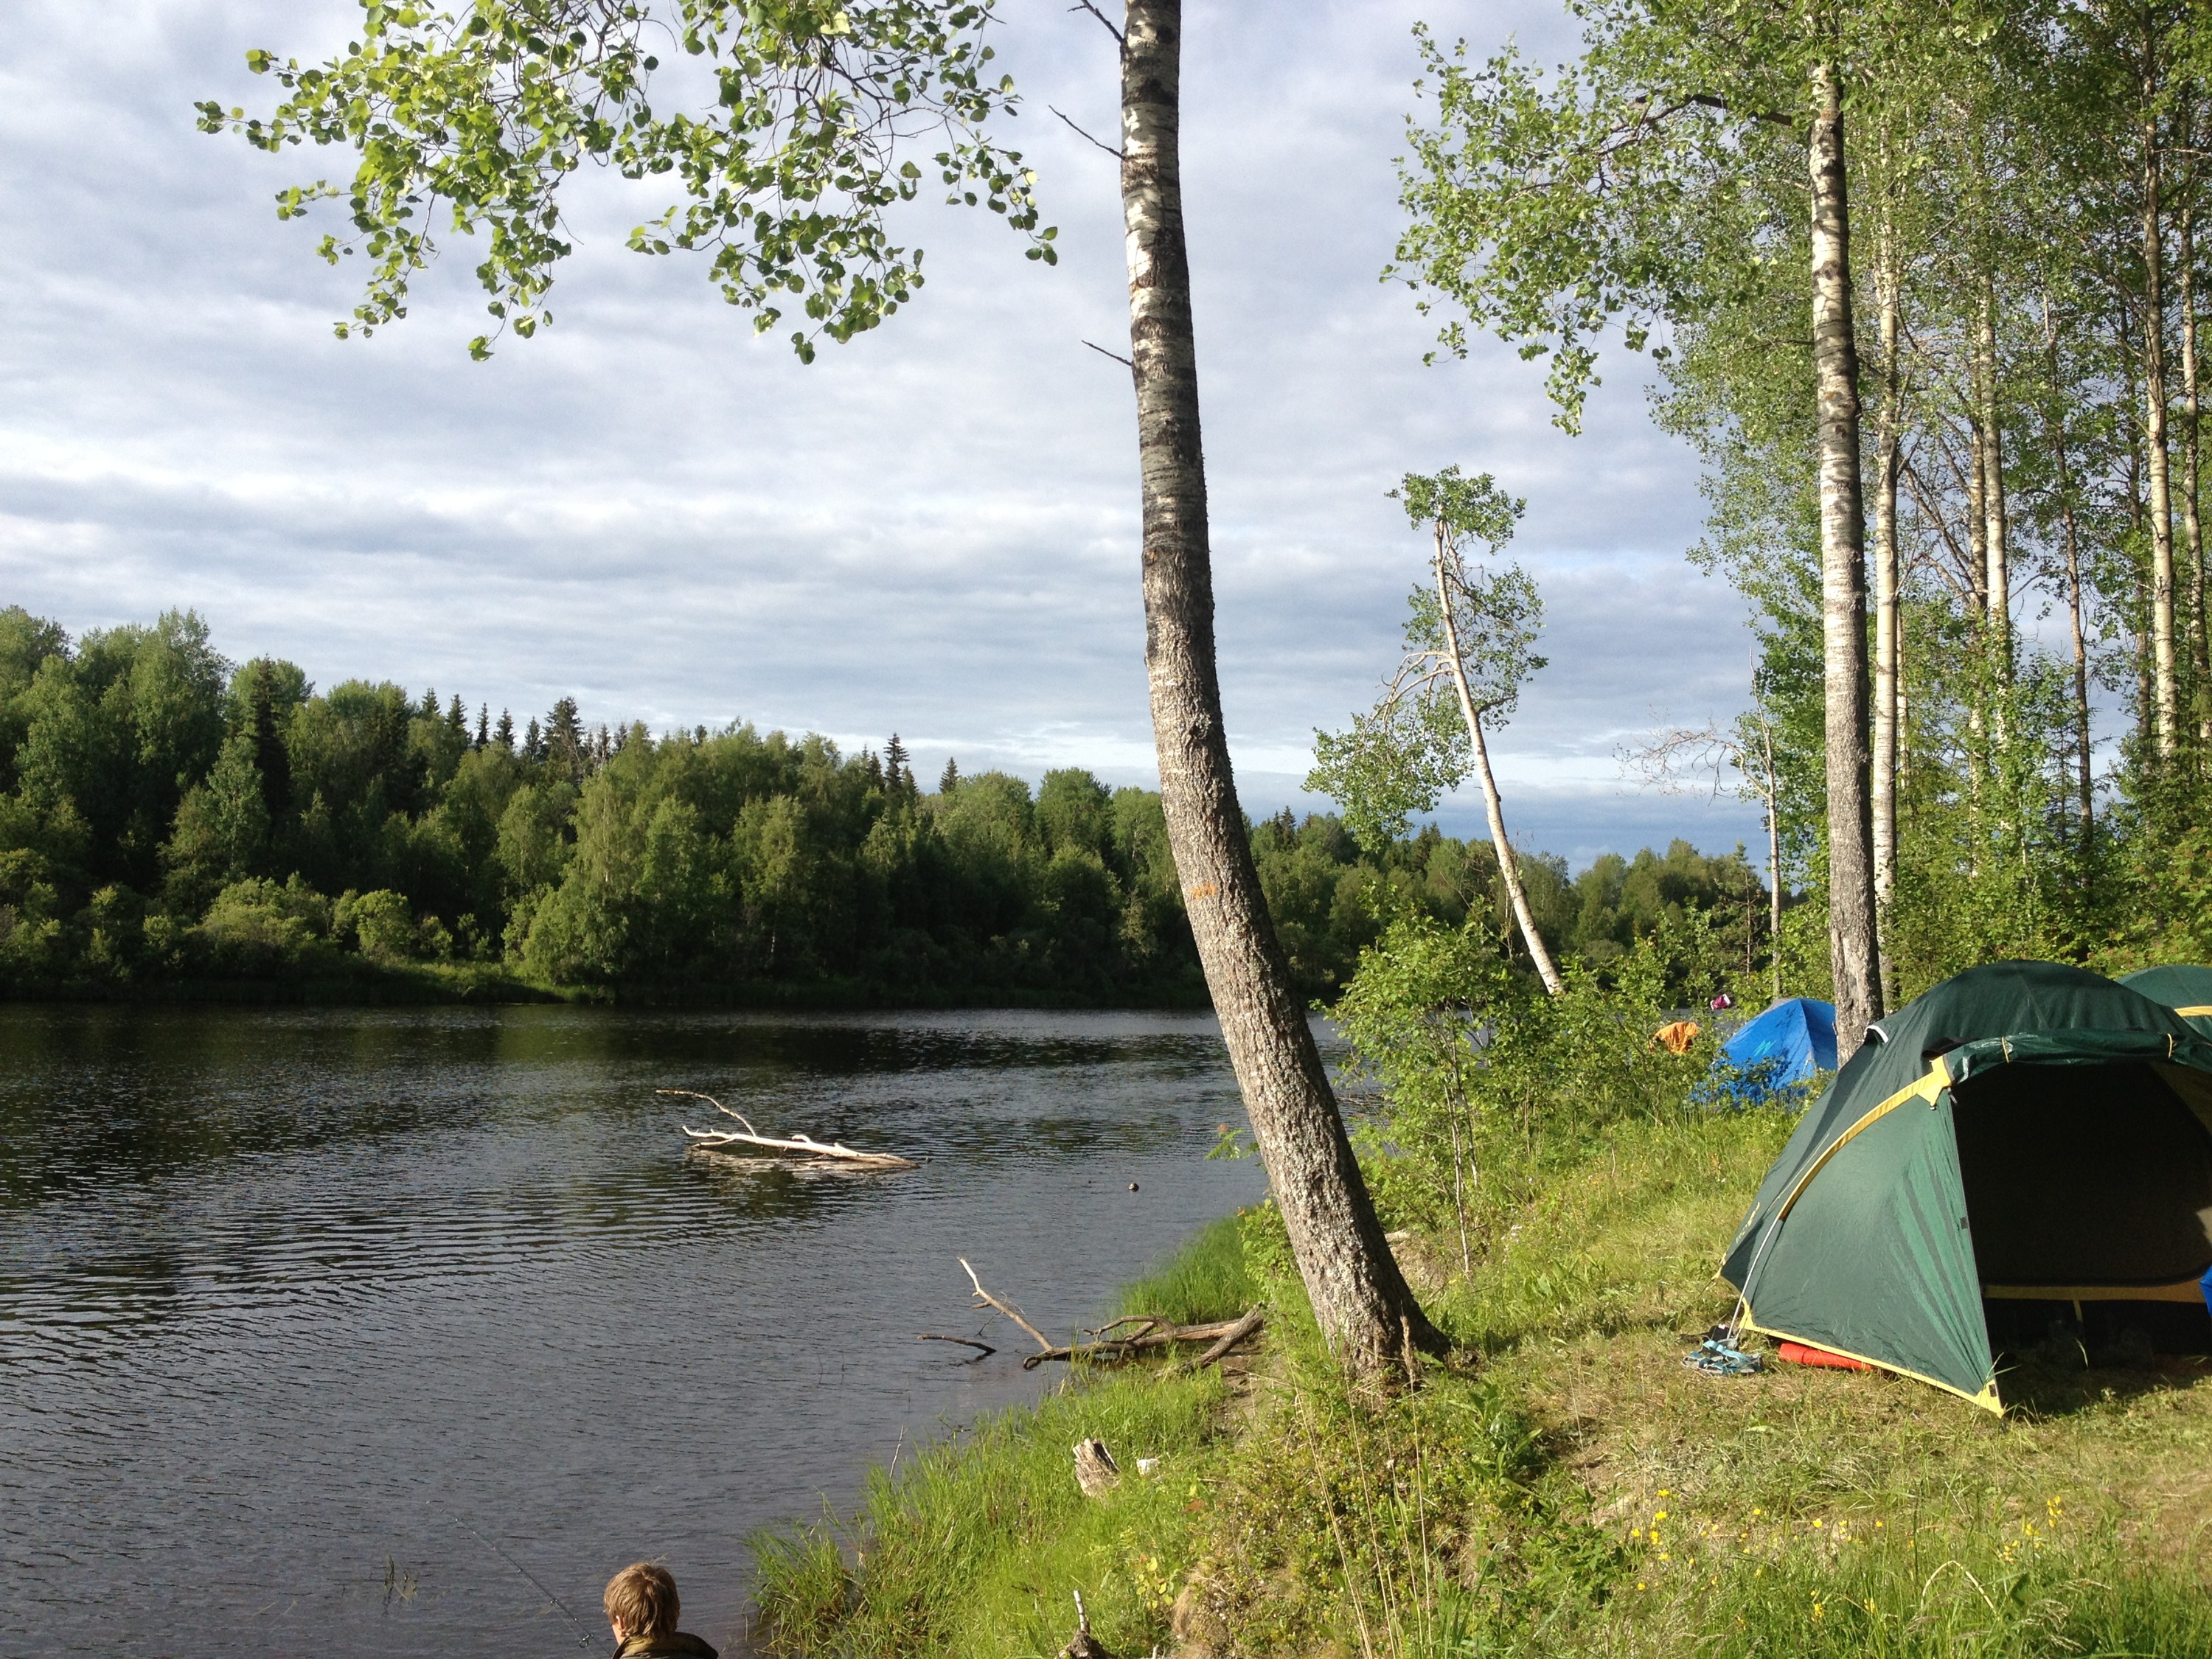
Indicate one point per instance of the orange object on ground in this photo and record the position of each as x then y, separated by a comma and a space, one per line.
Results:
1801, 1353
1677, 1036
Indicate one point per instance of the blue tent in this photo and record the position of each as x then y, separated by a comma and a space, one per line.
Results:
1779, 1052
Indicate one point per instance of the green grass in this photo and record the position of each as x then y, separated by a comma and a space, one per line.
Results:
1205, 1279
976, 1546
1565, 1488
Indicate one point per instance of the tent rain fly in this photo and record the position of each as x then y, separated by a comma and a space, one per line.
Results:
2024, 1131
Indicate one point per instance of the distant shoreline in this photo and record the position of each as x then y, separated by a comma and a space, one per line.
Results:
433, 987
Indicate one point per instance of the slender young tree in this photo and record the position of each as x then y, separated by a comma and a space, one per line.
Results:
1888, 612
1468, 652
1672, 761
2166, 679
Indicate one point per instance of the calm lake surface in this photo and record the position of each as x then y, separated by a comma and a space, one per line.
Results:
306, 1316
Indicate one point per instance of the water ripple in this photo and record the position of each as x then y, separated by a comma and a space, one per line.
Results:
295, 1304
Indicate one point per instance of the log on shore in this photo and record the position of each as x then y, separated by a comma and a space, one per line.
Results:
1222, 1335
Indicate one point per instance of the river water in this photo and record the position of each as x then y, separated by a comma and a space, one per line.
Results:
320, 1330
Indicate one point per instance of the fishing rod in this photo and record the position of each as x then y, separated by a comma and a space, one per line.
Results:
583, 1635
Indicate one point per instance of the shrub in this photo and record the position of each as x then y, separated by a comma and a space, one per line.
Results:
380, 924
256, 929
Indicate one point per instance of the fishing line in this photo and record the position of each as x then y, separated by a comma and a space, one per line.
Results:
583, 1636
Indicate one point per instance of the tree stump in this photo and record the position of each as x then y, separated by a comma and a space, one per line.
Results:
1095, 1472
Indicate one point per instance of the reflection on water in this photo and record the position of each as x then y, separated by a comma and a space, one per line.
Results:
302, 1313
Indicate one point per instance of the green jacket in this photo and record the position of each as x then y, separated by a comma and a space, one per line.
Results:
679, 1646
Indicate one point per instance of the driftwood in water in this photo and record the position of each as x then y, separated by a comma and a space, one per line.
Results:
804, 1145
983, 1350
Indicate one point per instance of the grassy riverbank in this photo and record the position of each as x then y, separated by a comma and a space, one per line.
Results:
1571, 1489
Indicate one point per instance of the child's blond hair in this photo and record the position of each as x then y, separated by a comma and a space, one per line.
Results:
643, 1597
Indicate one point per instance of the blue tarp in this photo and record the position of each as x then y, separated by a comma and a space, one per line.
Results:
1776, 1053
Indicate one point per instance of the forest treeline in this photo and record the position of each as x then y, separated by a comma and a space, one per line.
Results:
167, 819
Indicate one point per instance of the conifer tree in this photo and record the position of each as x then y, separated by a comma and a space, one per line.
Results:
270, 754
565, 742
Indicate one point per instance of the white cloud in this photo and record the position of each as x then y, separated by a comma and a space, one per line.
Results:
930, 530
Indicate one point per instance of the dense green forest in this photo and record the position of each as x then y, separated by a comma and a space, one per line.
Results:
170, 820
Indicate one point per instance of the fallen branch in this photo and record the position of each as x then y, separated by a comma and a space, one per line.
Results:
707, 1139
985, 1299
983, 1350
1229, 1339
1223, 1334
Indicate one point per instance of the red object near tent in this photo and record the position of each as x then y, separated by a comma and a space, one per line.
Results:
1800, 1354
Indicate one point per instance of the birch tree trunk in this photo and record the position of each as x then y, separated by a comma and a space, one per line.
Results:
2085, 788
2061, 456
1886, 642
1360, 1299
1852, 949
1995, 530
1978, 618
2165, 682
1514, 893
1770, 789
2193, 526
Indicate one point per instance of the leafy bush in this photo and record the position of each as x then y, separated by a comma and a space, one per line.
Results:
381, 925
1476, 1079
257, 929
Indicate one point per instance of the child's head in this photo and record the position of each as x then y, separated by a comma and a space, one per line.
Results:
641, 1599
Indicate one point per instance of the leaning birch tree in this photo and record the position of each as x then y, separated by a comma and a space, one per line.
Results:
827, 115
1468, 650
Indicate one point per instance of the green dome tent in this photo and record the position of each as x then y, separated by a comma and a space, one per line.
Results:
2024, 1131
2186, 990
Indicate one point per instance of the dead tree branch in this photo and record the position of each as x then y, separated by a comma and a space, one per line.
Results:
1223, 1334
1081, 134
985, 1299
1228, 1339
1107, 23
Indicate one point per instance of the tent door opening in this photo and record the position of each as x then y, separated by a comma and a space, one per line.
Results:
2089, 1196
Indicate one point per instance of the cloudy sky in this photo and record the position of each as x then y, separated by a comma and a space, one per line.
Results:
932, 530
